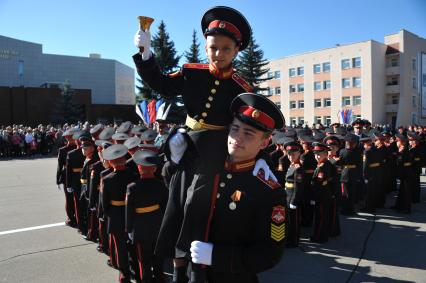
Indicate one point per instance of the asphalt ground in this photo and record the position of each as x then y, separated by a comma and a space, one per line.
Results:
386, 247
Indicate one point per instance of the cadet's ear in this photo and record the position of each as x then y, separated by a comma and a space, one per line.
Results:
265, 141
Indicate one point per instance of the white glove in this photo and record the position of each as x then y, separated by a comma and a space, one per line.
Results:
60, 187
143, 39
177, 146
93, 209
131, 236
292, 206
366, 181
70, 190
201, 252
312, 202
261, 164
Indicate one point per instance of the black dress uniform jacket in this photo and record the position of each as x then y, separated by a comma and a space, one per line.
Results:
95, 182
62, 159
113, 198
248, 222
75, 161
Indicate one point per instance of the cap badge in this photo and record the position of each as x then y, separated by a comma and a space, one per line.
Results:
222, 25
255, 114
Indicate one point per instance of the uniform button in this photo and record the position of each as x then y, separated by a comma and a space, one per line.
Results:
210, 98
201, 120
216, 82
218, 195
229, 176
222, 184
213, 90
204, 114
208, 105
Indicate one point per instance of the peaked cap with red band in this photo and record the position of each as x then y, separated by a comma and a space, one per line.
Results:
257, 111
320, 147
226, 21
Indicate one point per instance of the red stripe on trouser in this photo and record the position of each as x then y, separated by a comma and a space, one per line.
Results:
110, 249
75, 207
101, 238
139, 253
342, 189
116, 251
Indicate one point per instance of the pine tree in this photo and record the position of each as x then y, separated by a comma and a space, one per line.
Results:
66, 111
252, 66
165, 55
193, 55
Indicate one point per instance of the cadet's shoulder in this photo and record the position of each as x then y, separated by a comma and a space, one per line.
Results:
242, 82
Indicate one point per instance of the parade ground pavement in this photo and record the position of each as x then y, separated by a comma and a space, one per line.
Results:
36, 246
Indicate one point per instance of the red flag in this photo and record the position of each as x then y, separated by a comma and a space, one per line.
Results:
152, 112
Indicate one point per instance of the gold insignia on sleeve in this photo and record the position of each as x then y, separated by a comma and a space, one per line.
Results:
278, 232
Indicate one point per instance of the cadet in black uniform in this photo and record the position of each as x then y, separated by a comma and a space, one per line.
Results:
88, 150
351, 173
405, 173
371, 174
309, 164
61, 177
75, 161
132, 145
392, 149
383, 156
294, 184
416, 152
333, 144
246, 234
322, 188
146, 202
113, 202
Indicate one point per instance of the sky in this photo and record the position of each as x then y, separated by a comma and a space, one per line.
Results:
281, 27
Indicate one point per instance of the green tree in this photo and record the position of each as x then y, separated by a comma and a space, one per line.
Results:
252, 66
66, 111
165, 55
193, 54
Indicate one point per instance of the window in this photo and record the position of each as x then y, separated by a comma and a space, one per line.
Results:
414, 64
278, 104
292, 104
326, 67
356, 82
356, 62
292, 88
346, 64
392, 81
270, 91
317, 68
395, 99
301, 120
317, 86
327, 102
278, 90
270, 75
317, 120
300, 88
414, 101
317, 103
327, 120
300, 71
292, 121
327, 85
346, 100
414, 83
346, 83
413, 118
277, 75
292, 72
301, 104
394, 62
356, 100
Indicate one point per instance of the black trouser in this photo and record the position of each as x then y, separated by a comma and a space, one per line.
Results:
416, 188
103, 236
371, 195
293, 227
80, 205
403, 201
348, 197
150, 267
307, 212
70, 207
321, 220
334, 221
92, 225
118, 249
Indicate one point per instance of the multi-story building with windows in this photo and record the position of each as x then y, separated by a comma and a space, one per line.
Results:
381, 82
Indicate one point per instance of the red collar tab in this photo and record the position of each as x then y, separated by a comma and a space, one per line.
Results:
221, 74
226, 26
257, 115
239, 166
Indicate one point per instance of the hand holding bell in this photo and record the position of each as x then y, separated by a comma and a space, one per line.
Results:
142, 37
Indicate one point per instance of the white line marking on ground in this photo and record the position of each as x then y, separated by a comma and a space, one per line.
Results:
31, 228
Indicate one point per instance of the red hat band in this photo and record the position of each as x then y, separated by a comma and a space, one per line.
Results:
292, 147
257, 115
319, 148
227, 26
332, 142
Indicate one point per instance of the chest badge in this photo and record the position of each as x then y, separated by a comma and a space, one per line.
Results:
278, 214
